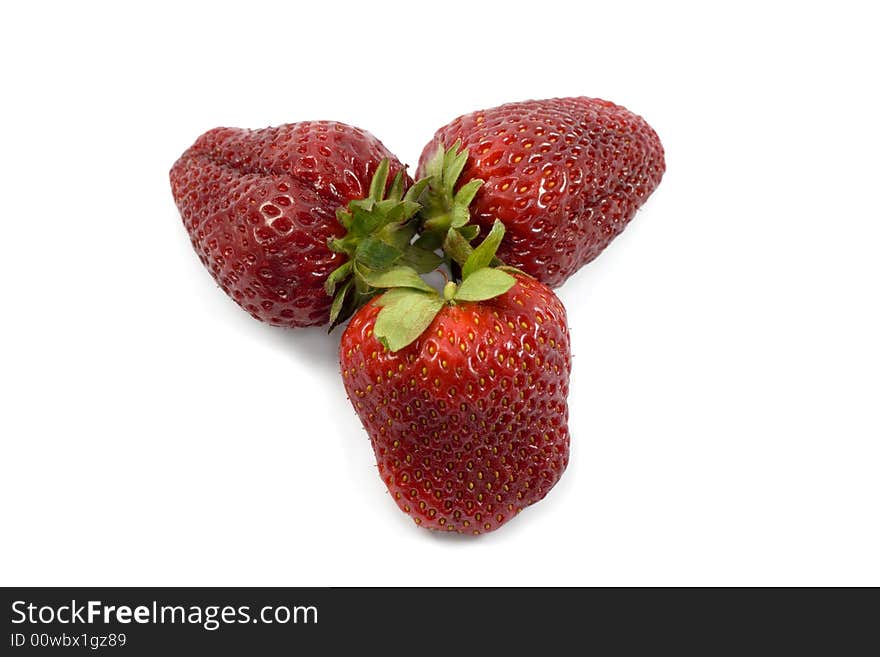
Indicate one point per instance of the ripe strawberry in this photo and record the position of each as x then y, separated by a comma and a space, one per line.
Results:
260, 207
463, 396
565, 176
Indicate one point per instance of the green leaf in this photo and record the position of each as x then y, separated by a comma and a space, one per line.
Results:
396, 191
365, 204
414, 192
395, 277
429, 241
420, 259
460, 216
337, 276
338, 301
484, 284
456, 246
410, 208
405, 315
434, 165
388, 205
376, 254
482, 255
380, 178
398, 235
509, 269
343, 217
453, 166
469, 232
466, 194
338, 245
364, 222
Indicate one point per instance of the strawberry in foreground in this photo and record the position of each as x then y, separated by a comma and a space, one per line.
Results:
266, 213
463, 394
564, 175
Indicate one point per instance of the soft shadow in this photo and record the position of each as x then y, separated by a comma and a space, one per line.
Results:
311, 345
454, 538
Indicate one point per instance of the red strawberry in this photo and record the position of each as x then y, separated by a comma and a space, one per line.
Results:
565, 176
260, 207
463, 396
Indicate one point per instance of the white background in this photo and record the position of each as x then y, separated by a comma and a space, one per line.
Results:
724, 399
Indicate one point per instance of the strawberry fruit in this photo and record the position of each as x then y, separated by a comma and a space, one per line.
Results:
463, 394
564, 175
266, 213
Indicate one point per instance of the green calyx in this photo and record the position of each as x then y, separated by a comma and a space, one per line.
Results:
380, 230
393, 238
408, 308
444, 208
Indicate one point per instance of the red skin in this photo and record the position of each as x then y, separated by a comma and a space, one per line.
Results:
259, 207
469, 423
565, 176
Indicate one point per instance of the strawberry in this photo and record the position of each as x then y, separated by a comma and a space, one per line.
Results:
463, 395
564, 175
266, 213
